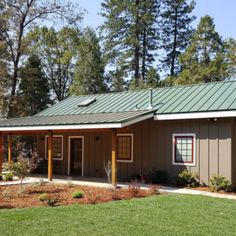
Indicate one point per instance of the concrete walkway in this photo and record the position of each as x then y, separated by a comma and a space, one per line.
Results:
100, 182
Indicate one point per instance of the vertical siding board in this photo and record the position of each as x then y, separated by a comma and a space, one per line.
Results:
203, 154
194, 128
225, 149
213, 148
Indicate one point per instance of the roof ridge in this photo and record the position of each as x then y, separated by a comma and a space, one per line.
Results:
156, 88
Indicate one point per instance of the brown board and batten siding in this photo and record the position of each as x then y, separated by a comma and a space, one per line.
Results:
153, 148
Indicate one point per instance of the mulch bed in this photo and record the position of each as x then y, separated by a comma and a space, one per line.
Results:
28, 195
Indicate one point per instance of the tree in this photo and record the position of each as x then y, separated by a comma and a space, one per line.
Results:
58, 53
176, 32
205, 58
33, 95
231, 56
89, 69
16, 17
130, 35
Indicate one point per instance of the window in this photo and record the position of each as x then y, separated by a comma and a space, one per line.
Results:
184, 149
125, 147
57, 147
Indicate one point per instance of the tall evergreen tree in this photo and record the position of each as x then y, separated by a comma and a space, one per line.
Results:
205, 59
176, 32
33, 95
131, 37
89, 69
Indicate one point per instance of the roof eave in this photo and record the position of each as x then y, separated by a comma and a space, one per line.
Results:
195, 115
114, 125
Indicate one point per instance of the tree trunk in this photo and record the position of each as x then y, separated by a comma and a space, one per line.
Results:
137, 48
144, 55
173, 54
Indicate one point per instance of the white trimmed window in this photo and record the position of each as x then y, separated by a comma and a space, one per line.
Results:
183, 149
125, 147
57, 147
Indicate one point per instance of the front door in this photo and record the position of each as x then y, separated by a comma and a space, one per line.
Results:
76, 156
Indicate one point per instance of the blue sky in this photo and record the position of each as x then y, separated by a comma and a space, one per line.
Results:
223, 11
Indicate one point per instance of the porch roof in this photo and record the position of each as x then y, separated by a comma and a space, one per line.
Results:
81, 121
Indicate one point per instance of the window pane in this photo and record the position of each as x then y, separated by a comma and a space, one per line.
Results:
124, 147
183, 149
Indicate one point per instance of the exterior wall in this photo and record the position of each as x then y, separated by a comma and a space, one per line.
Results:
153, 149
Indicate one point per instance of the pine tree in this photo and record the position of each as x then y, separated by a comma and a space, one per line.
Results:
33, 95
130, 34
176, 32
205, 57
89, 69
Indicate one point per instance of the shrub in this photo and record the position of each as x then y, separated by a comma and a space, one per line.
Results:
187, 178
43, 197
219, 182
134, 188
159, 177
8, 176
78, 194
49, 200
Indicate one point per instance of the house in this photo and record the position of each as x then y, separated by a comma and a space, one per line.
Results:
170, 128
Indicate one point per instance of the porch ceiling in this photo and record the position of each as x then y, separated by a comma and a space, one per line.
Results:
81, 121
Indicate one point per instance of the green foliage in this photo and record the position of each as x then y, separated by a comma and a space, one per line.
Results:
77, 194
43, 197
231, 56
159, 177
131, 36
205, 58
8, 176
49, 200
21, 168
187, 178
33, 95
176, 28
16, 19
219, 182
89, 69
57, 50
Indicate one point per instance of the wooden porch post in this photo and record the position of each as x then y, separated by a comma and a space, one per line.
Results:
50, 156
114, 157
1, 152
9, 148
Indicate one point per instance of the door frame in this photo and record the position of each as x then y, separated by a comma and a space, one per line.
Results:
69, 153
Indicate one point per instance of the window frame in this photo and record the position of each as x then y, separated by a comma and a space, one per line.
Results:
185, 135
62, 147
132, 148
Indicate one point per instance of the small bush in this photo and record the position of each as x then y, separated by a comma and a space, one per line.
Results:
78, 194
43, 197
219, 182
159, 177
187, 178
134, 188
49, 200
8, 176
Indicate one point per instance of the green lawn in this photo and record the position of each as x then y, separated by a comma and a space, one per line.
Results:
156, 215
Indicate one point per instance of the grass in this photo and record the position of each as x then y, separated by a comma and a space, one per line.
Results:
156, 215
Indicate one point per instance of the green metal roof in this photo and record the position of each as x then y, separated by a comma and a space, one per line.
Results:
220, 96
125, 106
82, 119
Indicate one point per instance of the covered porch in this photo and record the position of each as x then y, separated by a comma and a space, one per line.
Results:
73, 126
